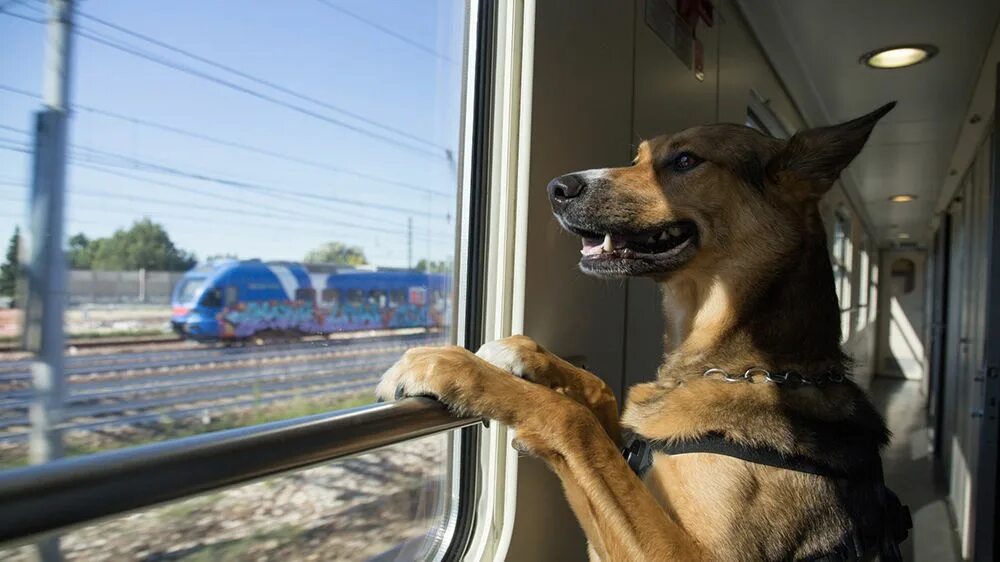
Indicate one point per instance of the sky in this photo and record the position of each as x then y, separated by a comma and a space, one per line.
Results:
355, 136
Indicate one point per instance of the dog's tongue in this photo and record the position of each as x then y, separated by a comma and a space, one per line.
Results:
596, 246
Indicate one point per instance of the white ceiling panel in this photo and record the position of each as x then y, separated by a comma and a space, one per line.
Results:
910, 149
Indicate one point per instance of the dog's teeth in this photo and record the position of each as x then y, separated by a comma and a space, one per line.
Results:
664, 236
652, 239
675, 231
608, 245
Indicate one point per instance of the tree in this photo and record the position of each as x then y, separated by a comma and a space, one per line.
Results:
145, 245
337, 254
10, 271
79, 253
433, 266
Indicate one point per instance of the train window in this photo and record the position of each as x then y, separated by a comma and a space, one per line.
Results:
755, 122
189, 289
376, 506
761, 117
212, 298
355, 297
331, 295
397, 297
864, 287
321, 147
873, 295
418, 296
378, 298
842, 255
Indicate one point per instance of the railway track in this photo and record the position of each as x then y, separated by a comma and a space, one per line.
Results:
143, 387
87, 343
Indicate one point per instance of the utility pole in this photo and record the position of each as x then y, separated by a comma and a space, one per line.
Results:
409, 242
46, 271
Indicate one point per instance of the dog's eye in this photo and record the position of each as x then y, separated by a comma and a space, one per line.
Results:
684, 162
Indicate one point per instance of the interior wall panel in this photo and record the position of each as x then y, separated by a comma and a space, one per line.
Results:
668, 98
581, 118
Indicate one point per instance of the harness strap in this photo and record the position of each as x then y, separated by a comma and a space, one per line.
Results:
639, 456
716, 443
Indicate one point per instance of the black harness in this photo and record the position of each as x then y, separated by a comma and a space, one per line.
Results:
893, 515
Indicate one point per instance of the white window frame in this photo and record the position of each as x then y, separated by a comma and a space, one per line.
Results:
842, 258
864, 284
506, 256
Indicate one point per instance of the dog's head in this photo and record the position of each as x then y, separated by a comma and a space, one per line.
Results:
705, 194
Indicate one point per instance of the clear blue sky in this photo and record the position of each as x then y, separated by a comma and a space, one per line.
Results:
303, 45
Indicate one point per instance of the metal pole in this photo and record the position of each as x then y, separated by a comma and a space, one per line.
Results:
409, 242
47, 266
142, 285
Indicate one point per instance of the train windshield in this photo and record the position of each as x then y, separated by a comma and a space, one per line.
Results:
189, 289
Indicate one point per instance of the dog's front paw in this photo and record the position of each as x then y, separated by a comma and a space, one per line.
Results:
515, 354
425, 371
453, 375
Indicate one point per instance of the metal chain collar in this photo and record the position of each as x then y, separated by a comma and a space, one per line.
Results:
792, 377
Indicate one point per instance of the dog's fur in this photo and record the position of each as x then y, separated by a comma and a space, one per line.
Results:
754, 288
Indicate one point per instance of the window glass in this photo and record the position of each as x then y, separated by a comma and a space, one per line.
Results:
873, 296
331, 296
243, 158
240, 159
188, 289
305, 295
842, 254
397, 297
383, 505
211, 298
864, 286
355, 297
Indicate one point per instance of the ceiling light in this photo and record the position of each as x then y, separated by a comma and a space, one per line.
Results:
904, 236
902, 198
898, 57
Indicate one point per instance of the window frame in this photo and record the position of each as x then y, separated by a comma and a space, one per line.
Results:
761, 117
864, 283
842, 255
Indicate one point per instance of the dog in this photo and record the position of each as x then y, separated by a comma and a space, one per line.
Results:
752, 443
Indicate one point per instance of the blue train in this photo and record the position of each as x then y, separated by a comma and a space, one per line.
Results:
236, 299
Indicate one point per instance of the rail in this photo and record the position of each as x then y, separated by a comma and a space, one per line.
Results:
59, 495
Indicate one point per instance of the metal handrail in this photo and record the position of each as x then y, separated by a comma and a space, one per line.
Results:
42, 499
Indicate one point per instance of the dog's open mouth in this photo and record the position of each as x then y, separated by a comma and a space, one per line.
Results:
638, 253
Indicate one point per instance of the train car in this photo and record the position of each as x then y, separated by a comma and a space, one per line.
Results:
240, 299
724, 281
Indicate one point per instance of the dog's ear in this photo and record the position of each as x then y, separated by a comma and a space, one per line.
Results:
817, 156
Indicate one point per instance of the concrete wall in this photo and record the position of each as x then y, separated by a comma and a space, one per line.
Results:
122, 287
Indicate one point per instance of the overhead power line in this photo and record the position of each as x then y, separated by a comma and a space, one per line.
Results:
238, 145
8, 144
204, 208
261, 81
385, 30
155, 167
137, 52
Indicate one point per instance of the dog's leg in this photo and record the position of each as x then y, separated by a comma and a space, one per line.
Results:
621, 518
525, 358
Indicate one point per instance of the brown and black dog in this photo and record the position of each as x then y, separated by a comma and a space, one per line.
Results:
726, 220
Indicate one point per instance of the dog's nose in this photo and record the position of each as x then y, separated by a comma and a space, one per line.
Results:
565, 188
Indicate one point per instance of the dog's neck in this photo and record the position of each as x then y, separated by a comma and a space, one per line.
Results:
782, 316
